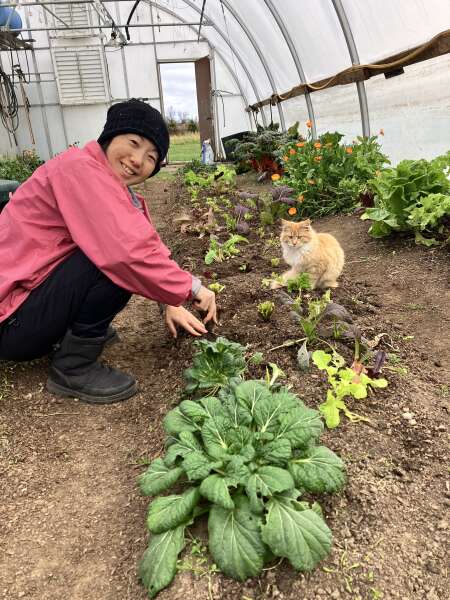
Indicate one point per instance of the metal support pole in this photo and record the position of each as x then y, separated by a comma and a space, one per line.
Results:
346, 29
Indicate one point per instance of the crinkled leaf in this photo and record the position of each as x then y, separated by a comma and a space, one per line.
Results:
193, 410
176, 422
338, 312
237, 470
251, 394
300, 536
235, 541
277, 452
319, 470
159, 563
186, 443
168, 512
321, 359
158, 478
301, 426
214, 436
265, 482
215, 489
239, 437
197, 465
213, 406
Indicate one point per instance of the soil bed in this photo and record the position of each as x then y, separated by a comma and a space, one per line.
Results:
72, 523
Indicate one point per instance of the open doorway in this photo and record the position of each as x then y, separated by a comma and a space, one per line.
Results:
186, 102
180, 110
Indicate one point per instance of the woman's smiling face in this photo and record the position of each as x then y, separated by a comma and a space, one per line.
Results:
132, 157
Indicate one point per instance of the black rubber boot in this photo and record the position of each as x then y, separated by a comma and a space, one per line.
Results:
74, 372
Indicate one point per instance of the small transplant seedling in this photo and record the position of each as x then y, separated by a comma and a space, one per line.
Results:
344, 381
216, 287
300, 283
265, 309
219, 252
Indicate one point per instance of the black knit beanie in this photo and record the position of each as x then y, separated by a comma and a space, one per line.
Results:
135, 116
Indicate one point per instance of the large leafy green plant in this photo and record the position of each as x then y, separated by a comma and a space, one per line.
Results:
398, 191
244, 458
328, 176
19, 168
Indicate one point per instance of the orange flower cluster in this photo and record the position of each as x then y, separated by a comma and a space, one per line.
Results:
292, 211
349, 150
285, 157
275, 177
317, 158
300, 144
300, 198
292, 151
317, 145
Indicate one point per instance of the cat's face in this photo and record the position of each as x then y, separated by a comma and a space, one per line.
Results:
296, 234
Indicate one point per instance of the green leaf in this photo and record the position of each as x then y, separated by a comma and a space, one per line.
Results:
319, 470
170, 511
193, 410
330, 410
158, 478
215, 488
301, 426
321, 359
251, 394
265, 482
186, 443
237, 470
159, 563
197, 465
235, 541
214, 436
300, 536
277, 452
176, 422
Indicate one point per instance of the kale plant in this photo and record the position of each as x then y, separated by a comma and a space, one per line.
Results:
245, 458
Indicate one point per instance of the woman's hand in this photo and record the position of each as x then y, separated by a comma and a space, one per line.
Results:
180, 316
205, 300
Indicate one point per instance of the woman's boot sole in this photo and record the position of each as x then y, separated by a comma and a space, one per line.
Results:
60, 390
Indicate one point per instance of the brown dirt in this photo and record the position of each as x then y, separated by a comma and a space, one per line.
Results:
72, 522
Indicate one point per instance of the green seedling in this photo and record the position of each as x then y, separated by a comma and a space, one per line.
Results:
243, 267
219, 252
256, 358
299, 283
274, 262
216, 287
265, 309
344, 382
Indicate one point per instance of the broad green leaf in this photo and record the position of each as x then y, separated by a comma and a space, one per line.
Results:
330, 410
186, 443
158, 478
265, 482
321, 359
175, 422
193, 410
197, 465
214, 436
300, 427
237, 470
239, 437
300, 536
251, 393
159, 563
215, 488
235, 541
277, 452
213, 406
170, 511
319, 470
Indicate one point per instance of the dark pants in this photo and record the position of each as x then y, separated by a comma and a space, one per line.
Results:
76, 296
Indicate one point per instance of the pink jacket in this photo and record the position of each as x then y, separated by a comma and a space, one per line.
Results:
76, 201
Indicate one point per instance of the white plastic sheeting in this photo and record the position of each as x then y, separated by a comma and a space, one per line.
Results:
259, 48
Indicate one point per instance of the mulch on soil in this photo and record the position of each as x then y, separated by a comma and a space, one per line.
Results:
72, 523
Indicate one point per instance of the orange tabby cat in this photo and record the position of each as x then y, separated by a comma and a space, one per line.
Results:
307, 251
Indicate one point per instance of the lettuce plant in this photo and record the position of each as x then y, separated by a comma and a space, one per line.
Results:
244, 458
344, 381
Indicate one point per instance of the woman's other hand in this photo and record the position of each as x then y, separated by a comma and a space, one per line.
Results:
205, 300
180, 316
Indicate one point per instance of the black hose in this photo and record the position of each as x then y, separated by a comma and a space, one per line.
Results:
9, 105
135, 5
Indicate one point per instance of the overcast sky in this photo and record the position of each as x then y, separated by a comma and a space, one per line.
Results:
178, 83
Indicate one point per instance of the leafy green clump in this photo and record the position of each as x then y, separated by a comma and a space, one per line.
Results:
299, 283
218, 252
401, 198
344, 382
214, 365
265, 309
245, 458
19, 168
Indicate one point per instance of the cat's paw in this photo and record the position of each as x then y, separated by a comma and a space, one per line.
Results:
276, 285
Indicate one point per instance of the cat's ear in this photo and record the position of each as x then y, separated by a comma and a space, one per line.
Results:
285, 223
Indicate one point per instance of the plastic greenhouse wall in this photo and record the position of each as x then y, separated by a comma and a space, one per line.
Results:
250, 60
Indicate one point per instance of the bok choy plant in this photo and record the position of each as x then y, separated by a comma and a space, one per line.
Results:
245, 458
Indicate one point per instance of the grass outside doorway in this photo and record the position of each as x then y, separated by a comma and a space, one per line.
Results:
184, 147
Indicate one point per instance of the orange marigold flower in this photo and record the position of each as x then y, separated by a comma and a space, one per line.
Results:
292, 211
311, 181
285, 157
317, 145
292, 151
381, 131
308, 124
275, 177
317, 158
349, 150
300, 198
300, 144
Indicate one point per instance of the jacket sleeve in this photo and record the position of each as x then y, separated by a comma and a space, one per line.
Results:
114, 235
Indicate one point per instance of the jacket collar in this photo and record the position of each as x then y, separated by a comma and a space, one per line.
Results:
94, 149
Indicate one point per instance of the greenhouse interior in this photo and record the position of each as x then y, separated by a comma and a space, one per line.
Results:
274, 176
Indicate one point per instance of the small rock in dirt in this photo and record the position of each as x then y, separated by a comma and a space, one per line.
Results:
408, 415
442, 525
336, 594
